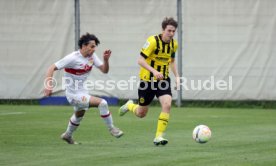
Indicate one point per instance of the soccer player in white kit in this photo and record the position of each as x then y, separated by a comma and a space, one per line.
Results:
77, 66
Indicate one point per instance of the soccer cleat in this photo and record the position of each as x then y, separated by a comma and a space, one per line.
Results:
68, 138
116, 132
160, 141
123, 110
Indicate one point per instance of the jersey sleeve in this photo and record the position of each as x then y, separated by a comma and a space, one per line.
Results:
148, 47
65, 62
175, 49
97, 61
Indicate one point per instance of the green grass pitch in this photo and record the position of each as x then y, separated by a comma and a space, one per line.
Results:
29, 136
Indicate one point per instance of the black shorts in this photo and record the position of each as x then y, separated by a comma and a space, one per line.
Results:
148, 90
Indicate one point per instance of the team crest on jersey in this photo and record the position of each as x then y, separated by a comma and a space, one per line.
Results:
90, 61
146, 45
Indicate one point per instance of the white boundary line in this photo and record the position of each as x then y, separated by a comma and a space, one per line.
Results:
11, 113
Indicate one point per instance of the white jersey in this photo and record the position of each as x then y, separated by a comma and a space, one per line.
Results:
77, 69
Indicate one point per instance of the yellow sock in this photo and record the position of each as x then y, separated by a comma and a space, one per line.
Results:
162, 123
132, 107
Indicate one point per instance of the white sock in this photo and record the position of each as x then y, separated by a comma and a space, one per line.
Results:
106, 114
73, 124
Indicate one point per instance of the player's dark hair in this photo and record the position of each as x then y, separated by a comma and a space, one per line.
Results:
169, 21
86, 38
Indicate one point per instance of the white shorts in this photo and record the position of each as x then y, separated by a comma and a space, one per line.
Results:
80, 101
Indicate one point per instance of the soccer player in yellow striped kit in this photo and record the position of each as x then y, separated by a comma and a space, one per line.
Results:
156, 57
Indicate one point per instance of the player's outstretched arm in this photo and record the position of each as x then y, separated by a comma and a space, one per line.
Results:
175, 72
105, 67
48, 82
142, 62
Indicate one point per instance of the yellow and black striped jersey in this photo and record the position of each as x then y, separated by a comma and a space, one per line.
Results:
158, 55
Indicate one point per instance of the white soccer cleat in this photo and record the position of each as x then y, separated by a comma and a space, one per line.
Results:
123, 110
160, 141
68, 139
116, 132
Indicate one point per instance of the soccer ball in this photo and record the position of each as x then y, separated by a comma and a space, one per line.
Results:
202, 134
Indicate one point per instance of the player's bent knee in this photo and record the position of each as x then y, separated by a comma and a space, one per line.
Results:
80, 113
103, 103
167, 105
142, 113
